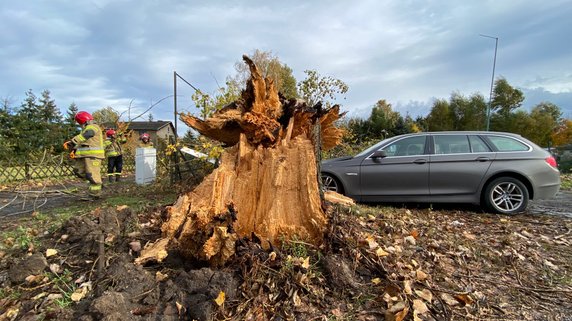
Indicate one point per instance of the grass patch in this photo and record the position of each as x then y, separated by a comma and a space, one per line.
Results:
566, 182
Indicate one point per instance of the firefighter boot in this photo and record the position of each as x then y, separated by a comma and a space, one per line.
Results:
110, 178
117, 178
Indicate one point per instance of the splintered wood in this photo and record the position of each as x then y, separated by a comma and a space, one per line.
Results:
266, 186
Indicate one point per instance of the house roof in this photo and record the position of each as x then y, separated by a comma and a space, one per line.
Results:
149, 125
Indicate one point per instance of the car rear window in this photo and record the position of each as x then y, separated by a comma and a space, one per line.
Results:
477, 145
508, 144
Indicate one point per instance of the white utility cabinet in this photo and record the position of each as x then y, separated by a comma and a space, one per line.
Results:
145, 165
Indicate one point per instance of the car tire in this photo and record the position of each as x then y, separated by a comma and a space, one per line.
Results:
506, 195
330, 183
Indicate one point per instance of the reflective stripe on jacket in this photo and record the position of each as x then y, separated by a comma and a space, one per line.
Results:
113, 147
89, 142
149, 144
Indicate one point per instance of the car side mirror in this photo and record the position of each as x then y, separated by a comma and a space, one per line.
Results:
378, 154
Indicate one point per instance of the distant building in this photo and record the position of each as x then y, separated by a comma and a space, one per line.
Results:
155, 129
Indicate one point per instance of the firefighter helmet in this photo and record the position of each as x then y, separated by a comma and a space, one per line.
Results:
110, 132
82, 117
144, 136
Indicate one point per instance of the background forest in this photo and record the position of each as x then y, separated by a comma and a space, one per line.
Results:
37, 124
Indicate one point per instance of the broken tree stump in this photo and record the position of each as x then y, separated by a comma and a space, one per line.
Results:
266, 186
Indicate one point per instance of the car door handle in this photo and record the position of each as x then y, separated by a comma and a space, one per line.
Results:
420, 161
483, 159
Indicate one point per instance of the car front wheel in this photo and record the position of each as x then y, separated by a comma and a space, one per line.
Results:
330, 183
506, 195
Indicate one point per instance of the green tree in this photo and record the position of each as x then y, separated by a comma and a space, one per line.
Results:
71, 128
546, 119
271, 67
316, 88
468, 113
106, 116
505, 98
440, 117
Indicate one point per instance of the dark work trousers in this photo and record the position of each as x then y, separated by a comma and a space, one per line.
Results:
114, 166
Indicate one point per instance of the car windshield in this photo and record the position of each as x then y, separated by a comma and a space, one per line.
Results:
372, 148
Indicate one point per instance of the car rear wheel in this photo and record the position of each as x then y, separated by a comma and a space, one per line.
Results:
331, 184
506, 195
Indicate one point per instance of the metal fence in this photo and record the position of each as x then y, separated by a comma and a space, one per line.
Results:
49, 167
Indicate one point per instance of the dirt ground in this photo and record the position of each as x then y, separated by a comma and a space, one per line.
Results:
376, 263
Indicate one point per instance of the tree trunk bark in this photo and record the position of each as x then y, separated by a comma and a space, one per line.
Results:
267, 185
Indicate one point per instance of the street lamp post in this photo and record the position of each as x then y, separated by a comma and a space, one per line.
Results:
492, 79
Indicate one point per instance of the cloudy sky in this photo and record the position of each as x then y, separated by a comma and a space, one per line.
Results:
122, 53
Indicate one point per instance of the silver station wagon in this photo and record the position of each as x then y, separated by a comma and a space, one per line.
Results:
498, 171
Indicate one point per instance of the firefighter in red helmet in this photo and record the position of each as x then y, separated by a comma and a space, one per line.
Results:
145, 141
114, 154
89, 152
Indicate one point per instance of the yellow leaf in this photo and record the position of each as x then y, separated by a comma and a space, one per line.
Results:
51, 252
306, 263
376, 281
79, 294
380, 252
220, 299
399, 316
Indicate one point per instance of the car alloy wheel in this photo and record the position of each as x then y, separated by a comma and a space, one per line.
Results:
506, 195
330, 183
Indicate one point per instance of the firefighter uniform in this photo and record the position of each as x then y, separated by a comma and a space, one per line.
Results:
148, 144
89, 154
114, 154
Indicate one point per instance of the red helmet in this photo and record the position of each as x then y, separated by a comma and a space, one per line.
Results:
144, 136
110, 132
82, 117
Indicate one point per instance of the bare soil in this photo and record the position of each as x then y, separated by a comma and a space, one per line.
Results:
376, 263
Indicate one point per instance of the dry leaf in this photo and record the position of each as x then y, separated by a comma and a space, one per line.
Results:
409, 239
419, 307
380, 252
400, 316
296, 299
371, 242
465, 298
397, 307
121, 207
220, 298
337, 313
160, 277
306, 263
551, 265
469, 236
449, 299
425, 295
180, 308
51, 252
272, 256
376, 281
420, 275
407, 287
415, 234
79, 294
55, 268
